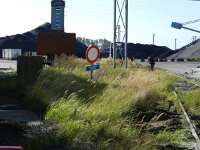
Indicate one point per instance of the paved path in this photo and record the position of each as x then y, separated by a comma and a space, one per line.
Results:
11, 109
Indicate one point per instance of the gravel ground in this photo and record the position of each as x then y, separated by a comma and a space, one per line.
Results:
14, 133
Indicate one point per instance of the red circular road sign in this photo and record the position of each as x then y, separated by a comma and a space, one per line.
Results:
92, 53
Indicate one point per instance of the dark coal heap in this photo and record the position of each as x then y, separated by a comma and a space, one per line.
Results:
27, 42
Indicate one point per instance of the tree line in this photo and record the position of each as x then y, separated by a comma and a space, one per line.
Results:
103, 44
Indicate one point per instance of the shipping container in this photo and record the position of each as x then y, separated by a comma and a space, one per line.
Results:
56, 43
11, 53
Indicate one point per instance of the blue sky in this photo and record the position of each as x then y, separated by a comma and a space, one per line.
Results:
94, 19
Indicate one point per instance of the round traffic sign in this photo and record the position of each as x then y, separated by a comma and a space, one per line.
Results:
92, 53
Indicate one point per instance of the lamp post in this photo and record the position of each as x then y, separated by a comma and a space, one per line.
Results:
154, 38
175, 43
177, 25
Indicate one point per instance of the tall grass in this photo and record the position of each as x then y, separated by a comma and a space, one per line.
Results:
98, 113
191, 101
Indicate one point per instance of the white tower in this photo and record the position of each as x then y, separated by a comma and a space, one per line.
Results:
57, 15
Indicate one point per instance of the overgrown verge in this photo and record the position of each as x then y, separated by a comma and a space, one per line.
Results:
191, 101
132, 109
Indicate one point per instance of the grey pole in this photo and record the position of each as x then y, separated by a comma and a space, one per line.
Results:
126, 30
110, 51
154, 38
175, 43
114, 34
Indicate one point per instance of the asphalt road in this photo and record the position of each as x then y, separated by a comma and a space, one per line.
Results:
186, 69
12, 109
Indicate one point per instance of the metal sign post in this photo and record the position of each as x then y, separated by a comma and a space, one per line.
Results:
91, 73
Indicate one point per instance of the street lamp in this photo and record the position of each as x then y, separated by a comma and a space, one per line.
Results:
177, 25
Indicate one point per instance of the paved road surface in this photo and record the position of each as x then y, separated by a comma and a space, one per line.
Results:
187, 69
11, 109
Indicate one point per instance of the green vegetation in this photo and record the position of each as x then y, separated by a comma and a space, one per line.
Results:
191, 101
116, 110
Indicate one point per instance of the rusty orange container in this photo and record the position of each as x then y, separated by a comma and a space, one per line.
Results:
56, 43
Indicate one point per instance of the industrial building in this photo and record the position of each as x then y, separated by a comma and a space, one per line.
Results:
11, 53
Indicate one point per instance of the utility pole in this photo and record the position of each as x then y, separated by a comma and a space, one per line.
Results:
114, 34
120, 22
126, 33
175, 43
154, 38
